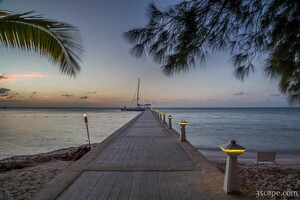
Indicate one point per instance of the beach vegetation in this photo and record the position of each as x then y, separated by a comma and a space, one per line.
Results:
181, 37
58, 41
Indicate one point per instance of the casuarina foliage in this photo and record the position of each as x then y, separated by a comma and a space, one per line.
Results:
181, 36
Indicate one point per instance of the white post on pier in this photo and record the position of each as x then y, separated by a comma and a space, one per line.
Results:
231, 179
183, 123
170, 121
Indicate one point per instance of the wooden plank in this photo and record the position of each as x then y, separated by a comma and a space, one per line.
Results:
139, 161
77, 187
146, 151
135, 153
154, 186
98, 188
166, 152
105, 156
171, 182
176, 157
170, 155
124, 152
107, 187
116, 187
158, 156
130, 151
163, 187
197, 183
183, 156
118, 150
126, 187
145, 186
135, 187
89, 186
184, 190
152, 152
193, 185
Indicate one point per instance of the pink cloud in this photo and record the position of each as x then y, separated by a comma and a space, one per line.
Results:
20, 77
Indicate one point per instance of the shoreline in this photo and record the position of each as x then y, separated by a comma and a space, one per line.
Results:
21, 177
65, 154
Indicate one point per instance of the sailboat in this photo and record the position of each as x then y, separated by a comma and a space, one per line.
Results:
137, 106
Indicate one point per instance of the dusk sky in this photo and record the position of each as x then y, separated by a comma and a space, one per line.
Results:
109, 73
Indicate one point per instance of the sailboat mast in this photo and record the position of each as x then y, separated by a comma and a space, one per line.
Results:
138, 93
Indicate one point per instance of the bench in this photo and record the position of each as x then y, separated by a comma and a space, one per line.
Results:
265, 158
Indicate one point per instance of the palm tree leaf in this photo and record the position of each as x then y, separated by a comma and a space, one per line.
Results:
59, 42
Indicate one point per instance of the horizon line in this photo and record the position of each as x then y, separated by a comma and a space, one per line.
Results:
118, 107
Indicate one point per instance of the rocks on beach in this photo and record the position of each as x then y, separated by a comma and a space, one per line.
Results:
21, 177
19, 162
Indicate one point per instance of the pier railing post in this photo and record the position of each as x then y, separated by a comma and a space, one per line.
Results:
170, 121
164, 117
231, 179
183, 123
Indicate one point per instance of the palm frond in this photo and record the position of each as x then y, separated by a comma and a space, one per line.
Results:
59, 42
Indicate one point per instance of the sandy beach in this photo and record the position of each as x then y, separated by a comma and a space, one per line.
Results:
267, 179
24, 176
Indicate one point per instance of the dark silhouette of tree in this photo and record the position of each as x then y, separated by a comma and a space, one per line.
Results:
181, 37
59, 42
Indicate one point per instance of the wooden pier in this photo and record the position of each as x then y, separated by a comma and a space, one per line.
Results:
142, 160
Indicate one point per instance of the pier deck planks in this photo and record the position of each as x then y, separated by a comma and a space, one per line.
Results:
145, 160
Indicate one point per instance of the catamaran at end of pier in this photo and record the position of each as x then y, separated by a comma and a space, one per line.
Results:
137, 106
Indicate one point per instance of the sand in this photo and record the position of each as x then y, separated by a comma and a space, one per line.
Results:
25, 183
41, 169
21, 177
268, 179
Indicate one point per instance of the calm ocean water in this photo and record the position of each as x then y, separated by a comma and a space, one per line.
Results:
257, 129
30, 131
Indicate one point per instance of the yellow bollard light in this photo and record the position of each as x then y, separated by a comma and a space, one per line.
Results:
183, 123
231, 179
170, 121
